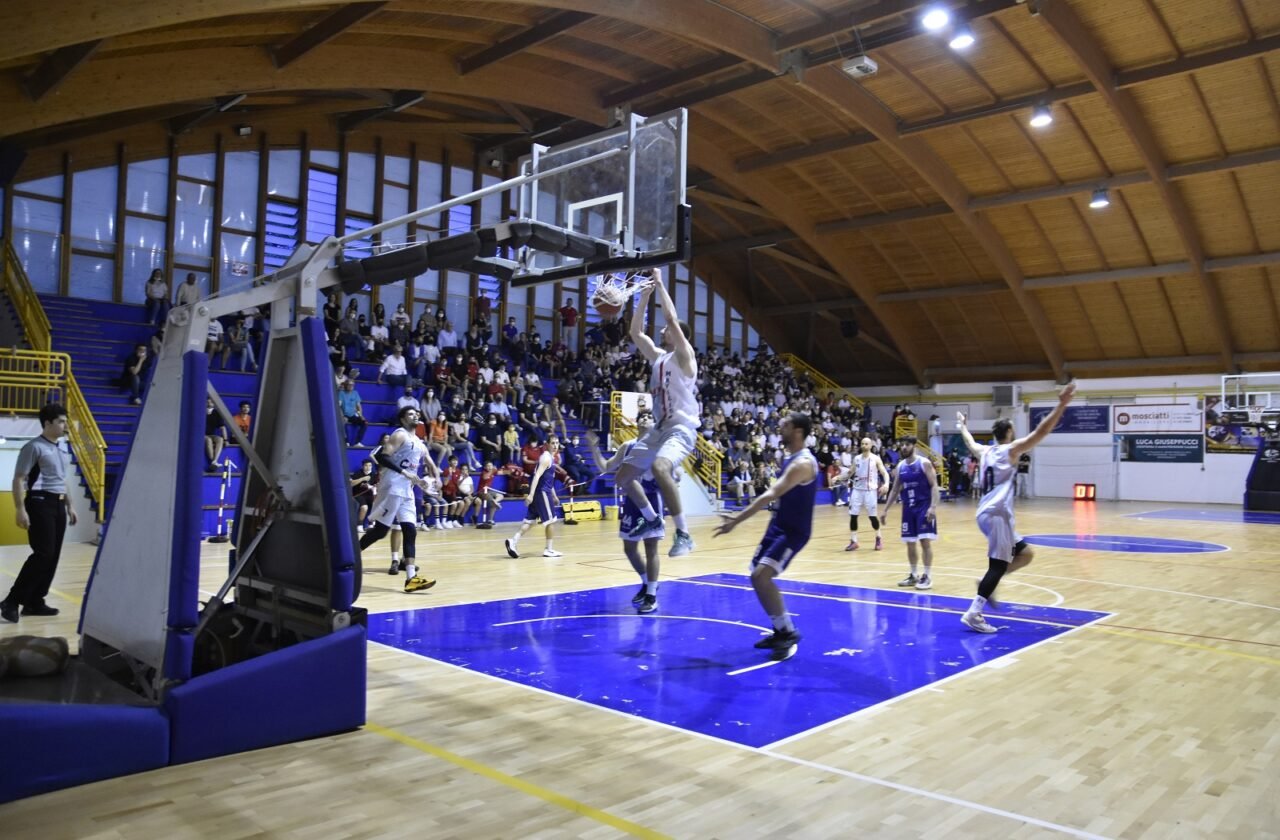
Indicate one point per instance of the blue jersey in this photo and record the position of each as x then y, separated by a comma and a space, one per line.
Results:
794, 512
547, 483
914, 485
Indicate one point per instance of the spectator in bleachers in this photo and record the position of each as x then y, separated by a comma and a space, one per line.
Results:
157, 293
352, 414
408, 400
529, 455
430, 405
156, 343
437, 438
215, 434
213, 341
510, 332
442, 319
484, 310
574, 464
510, 444
398, 330
401, 317
568, 317
474, 341
237, 341
134, 375
349, 333
366, 340
460, 441
332, 312
188, 292
489, 438
243, 418
362, 490
380, 337
394, 369
447, 339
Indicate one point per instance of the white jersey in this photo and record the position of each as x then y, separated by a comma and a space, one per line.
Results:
996, 471
408, 458
674, 393
866, 475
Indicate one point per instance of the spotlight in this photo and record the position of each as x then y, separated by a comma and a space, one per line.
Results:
1100, 199
935, 17
1041, 116
961, 38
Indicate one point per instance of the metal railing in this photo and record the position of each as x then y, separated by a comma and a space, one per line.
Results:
821, 382
31, 378
706, 463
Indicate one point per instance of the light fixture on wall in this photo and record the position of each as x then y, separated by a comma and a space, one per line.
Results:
244, 130
1100, 199
935, 18
961, 37
1041, 116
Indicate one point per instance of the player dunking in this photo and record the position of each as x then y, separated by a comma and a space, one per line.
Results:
917, 482
788, 531
676, 419
541, 502
648, 568
404, 454
865, 477
1006, 551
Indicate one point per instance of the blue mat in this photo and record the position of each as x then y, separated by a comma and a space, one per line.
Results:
691, 665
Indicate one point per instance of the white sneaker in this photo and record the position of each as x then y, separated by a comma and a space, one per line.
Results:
551, 552
925, 582
975, 621
439, 526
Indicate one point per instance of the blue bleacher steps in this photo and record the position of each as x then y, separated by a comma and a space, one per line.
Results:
98, 335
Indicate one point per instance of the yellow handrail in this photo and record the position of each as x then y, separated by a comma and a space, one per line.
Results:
31, 378
30, 313
821, 382
706, 463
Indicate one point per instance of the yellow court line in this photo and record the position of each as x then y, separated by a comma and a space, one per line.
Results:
75, 599
1252, 656
518, 784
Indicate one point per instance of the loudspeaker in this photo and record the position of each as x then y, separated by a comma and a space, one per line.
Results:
11, 158
849, 329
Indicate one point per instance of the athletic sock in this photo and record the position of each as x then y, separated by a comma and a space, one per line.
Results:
978, 603
648, 512
410, 571
681, 525
782, 623
395, 557
651, 587
644, 580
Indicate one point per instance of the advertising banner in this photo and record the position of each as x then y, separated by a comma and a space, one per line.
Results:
1077, 419
1162, 449
1157, 418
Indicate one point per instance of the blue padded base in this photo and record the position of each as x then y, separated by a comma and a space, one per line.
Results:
53, 746
304, 691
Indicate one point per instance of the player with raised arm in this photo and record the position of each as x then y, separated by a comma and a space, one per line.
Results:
794, 493
400, 460
867, 477
541, 502
998, 464
648, 568
676, 418
917, 482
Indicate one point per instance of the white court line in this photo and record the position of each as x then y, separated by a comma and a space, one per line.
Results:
755, 667
949, 610
1058, 599
767, 751
648, 617
931, 686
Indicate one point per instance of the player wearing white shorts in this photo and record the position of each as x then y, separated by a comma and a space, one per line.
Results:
400, 460
866, 477
676, 418
998, 464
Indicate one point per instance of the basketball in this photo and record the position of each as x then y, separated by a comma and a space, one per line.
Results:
606, 310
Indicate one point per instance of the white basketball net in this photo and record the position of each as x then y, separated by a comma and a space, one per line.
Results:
1255, 413
615, 289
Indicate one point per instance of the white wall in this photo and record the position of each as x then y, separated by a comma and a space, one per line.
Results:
1066, 459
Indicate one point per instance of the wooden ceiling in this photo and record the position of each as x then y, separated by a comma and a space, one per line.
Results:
918, 203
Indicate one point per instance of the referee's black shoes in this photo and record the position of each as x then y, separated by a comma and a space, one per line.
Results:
9, 611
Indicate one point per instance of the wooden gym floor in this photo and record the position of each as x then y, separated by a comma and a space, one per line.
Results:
1160, 721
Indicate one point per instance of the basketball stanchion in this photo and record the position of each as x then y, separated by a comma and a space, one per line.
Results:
221, 532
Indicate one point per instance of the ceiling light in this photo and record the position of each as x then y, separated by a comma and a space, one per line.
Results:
935, 17
1041, 116
961, 38
1100, 199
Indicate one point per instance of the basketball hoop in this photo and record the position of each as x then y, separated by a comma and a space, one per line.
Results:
613, 290
1255, 413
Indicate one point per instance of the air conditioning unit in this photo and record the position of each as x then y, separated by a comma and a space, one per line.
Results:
1006, 396
860, 66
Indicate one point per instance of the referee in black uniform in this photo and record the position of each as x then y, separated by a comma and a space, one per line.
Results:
43, 510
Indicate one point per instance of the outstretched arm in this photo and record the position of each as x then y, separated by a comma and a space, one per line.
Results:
797, 472
684, 350
1046, 425
593, 444
643, 342
974, 447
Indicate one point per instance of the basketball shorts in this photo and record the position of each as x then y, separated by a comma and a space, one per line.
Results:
629, 516
540, 509
916, 526
860, 500
389, 510
777, 548
674, 443
1003, 542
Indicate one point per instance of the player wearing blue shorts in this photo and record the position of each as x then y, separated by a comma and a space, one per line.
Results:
788, 531
646, 599
998, 465
541, 501
915, 480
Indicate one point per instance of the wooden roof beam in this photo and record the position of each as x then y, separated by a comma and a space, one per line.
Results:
1063, 22
55, 68
181, 125
400, 100
555, 25
811, 306
713, 197
323, 31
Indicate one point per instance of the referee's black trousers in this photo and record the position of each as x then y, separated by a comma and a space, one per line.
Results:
48, 515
